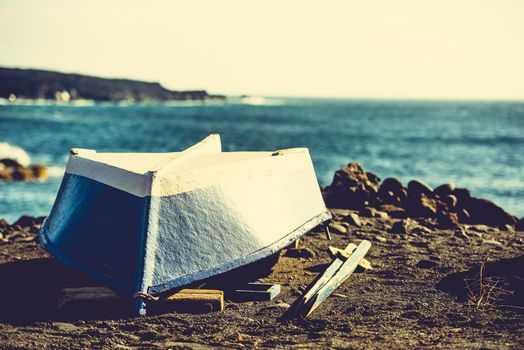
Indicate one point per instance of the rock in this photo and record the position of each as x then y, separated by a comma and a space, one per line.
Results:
373, 178
447, 220
39, 171
423, 206
400, 227
416, 188
463, 215
381, 215
450, 200
22, 174
367, 212
65, 327
426, 264
462, 194
10, 163
353, 219
351, 189
338, 228
483, 211
519, 225
3, 224
300, 253
393, 192
11, 170
444, 190
393, 211
380, 239
25, 221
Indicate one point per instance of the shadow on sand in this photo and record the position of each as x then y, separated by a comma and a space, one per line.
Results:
30, 290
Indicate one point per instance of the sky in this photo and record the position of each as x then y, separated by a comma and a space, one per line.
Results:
458, 49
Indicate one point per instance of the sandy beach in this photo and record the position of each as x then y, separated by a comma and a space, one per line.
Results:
423, 291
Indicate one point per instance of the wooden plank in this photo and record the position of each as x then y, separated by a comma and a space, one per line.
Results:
338, 278
316, 284
337, 252
256, 292
195, 300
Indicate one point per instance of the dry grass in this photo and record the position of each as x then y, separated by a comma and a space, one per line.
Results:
485, 293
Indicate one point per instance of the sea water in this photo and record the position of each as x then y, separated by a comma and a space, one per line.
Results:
475, 144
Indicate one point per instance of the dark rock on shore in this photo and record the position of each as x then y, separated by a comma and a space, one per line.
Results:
41, 84
354, 188
24, 229
11, 170
483, 211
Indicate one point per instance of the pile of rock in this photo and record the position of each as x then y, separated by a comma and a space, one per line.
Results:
24, 229
11, 170
354, 188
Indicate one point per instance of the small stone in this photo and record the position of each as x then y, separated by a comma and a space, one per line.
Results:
368, 212
519, 225
381, 215
426, 264
447, 220
461, 233
444, 190
492, 242
3, 224
380, 239
400, 227
25, 221
353, 219
450, 200
462, 194
338, 228
65, 327
416, 187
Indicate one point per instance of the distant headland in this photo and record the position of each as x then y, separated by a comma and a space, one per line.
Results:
16, 83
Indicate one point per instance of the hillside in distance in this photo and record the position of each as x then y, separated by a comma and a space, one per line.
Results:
41, 84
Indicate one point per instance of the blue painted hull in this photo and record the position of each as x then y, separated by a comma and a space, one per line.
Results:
153, 243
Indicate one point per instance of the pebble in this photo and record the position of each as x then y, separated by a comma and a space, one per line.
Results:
445, 189
65, 327
380, 239
426, 264
338, 228
416, 187
354, 220
400, 226
493, 242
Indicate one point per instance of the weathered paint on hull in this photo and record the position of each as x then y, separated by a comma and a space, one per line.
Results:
197, 214
101, 231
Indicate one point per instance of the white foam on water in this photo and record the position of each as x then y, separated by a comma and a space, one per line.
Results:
55, 171
14, 152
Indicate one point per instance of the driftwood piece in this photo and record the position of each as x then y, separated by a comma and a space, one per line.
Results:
255, 292
337, 252
338, 278
91, 302
193, 301
316, 284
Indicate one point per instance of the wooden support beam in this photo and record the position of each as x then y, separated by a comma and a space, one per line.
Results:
255, 292
316, 284
194, 301
337, 252
338, 278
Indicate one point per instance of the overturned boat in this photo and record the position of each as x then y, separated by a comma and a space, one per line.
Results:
149, 222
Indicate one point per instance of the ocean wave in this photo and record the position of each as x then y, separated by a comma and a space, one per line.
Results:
260, 101
55, 171
14, 152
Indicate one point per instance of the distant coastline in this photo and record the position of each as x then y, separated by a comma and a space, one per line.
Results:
17, 83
